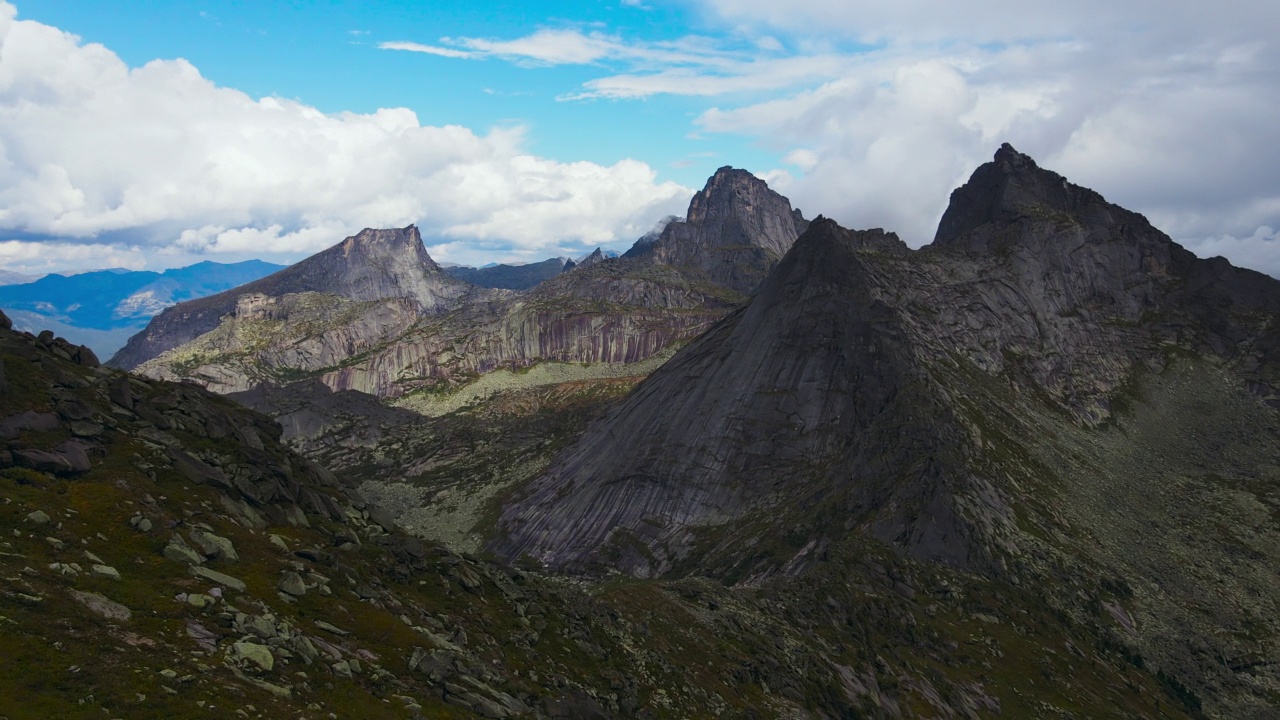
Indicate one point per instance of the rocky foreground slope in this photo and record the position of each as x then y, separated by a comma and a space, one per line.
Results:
1054, 394
163, 556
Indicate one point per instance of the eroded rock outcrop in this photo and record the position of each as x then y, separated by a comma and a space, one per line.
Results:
372, 266
375, 313
736, 230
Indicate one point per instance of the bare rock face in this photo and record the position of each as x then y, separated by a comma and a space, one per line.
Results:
371, 266
375, 314
735, 232
808, 403
834, 390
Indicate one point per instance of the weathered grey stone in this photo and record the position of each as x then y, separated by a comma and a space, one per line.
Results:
292, 583
39, 517
213, 546
218, 578
251, 652
102, 605
105, 571
178, 551
331, 628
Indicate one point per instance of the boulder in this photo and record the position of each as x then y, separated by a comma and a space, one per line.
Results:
292, 583
213, 546
252, 653
179, 551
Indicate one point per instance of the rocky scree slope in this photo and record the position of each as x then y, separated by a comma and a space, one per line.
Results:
1005, 402
161, 555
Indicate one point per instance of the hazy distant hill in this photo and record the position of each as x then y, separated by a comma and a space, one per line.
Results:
508, 277
8, 277
103, 308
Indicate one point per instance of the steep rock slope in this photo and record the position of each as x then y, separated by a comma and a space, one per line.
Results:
736, 230
1045, 395
163, 556
376, 315
371, 266
809, 400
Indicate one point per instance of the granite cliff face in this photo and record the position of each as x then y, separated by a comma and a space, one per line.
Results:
1030, 399
809, 401
372, 266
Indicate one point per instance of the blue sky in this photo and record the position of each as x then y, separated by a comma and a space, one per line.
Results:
327, 55
160, 134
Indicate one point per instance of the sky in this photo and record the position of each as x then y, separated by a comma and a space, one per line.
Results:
156, 135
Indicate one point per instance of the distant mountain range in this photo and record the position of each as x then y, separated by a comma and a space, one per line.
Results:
12, 278
103, 308
508, 277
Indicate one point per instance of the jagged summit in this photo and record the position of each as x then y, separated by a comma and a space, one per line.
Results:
735, 231
592, 259
373, 243
1012, 185
802, 404
371, 265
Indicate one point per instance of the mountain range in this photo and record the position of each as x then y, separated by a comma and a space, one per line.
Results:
102, 309
509, 277
758, 466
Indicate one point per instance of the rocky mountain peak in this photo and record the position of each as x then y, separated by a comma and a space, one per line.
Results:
592, 259
1011, 186
373, 265
736, 230
372, 243
737, 203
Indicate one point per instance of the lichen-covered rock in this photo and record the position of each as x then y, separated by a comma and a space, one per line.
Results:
252, 653
213, 546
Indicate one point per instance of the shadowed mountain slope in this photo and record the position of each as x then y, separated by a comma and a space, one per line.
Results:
165, 557
1054, 393
509, 277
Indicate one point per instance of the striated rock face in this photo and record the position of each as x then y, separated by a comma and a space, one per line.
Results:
1038, 397
735, 232
809, 399
371, 266
376, 314
831, 388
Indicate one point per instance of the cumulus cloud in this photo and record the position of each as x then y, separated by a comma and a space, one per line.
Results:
39, 258
1168, 110
165, 157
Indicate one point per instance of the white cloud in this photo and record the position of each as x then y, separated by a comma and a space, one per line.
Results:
691, 65
38, 258
1262, 248
162, 156
426, 49
1166, 112
997, 21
